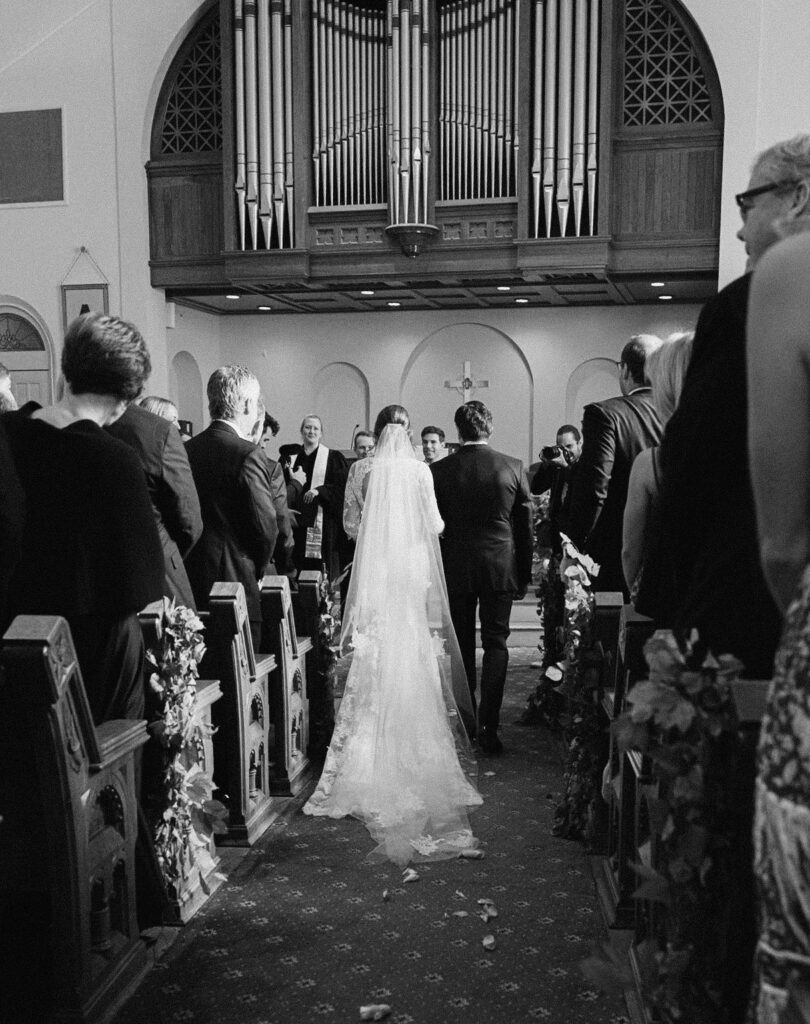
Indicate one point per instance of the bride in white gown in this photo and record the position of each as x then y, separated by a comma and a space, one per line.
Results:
400, 758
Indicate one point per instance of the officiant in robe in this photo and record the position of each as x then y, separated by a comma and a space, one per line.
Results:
321, 473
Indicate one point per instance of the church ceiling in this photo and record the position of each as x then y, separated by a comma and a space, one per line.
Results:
448, 293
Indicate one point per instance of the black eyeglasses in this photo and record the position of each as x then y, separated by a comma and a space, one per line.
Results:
743, 199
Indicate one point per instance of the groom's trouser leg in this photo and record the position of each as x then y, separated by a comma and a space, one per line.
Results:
494, 611
462, 612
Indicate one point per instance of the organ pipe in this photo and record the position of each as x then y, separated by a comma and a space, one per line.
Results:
565, 113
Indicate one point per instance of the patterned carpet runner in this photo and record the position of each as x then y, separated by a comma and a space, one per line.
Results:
302, 930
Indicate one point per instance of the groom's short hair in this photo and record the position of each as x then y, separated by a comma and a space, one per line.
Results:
473, 421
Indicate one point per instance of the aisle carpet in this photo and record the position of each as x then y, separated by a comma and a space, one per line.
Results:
301, 930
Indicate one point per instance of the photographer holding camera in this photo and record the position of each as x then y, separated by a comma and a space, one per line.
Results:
553, 472
555, 457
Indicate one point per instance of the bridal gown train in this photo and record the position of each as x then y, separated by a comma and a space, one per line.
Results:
400, 758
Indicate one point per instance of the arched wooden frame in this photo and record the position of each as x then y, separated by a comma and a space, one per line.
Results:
210, 14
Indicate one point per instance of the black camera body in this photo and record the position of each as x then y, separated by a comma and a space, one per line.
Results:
552, 451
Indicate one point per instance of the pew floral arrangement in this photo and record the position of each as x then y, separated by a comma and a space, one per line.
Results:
578, 674
544, 705
683, 720
189, 816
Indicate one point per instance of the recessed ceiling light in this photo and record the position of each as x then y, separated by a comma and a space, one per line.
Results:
504, 288
657, 284
366, 291
664, 298
265, 309
231, 296
394, 303
521, 301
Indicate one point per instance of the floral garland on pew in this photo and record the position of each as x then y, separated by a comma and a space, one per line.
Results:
189, 817
578, 675
683, 719
545, 704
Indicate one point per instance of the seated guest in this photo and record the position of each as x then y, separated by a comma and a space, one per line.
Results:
264, 431
161, 407
364, 442
236, 497
171, 486
613, 433
432, 444
90, 547
642, 553
321, 471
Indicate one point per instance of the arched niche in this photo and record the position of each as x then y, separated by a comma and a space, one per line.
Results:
26, 349
493, 357
186, 389
592, 381
341, 399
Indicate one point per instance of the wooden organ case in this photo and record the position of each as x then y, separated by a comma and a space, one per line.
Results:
390, 140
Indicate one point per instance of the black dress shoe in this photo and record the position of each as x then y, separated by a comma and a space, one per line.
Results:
489, 743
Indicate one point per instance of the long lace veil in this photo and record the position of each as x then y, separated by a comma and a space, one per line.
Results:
401, 759
398, 575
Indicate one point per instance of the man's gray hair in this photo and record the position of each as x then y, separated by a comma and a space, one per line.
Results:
787, 161
229, 387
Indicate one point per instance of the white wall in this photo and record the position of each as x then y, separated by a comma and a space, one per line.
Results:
760, 48
286, 352
103, 63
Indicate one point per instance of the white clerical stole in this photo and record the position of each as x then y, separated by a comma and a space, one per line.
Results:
315, 532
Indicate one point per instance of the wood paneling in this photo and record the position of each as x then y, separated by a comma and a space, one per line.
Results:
185, 210
663, 190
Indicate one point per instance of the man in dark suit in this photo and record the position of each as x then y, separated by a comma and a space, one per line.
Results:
487, 548
171, 488
233, 482
265, 430
708, 515
614, 432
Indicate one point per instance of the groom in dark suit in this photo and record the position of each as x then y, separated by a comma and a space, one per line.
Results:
484, 500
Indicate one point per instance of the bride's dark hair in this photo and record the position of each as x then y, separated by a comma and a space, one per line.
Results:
392, 414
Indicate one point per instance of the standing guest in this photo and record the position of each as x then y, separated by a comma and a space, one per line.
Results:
432, 444
779, 389
12, 518
646, 566
708, 516
8, 403
322, 473
264, 431
236, 498
710, 526
363, 444
484, 502
613, 432
161, 407
155, 438
90, 547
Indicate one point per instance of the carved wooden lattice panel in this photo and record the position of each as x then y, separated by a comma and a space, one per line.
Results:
193, 121
664, 83
18, 335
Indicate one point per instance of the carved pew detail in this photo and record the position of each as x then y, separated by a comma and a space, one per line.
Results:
67, 790
242, 740
320, 689
290, 702
200, 882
